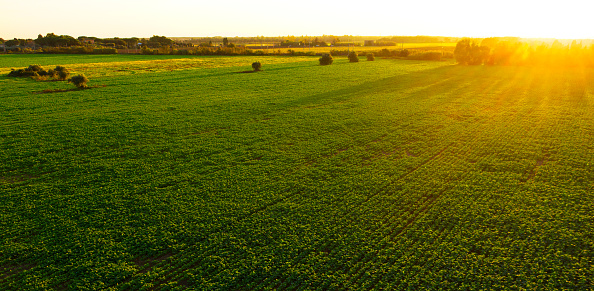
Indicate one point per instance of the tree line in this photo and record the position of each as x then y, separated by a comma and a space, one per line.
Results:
505, 51
53, 40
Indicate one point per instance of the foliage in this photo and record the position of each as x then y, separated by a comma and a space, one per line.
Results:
79, 50
404, 53
396, 175
468, 52
257, 66
53, 40
159, 41
353, 57
80, 81
31, 71
510, 51
22, 73
384, 53
427, 56
387, 176
326, 59
13, 42
370, 57
62, 72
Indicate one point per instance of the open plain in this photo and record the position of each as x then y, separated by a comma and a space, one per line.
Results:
177, 172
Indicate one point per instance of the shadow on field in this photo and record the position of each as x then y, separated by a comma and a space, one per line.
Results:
47, 91
426, 80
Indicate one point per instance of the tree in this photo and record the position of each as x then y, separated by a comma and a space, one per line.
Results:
462, 51
53, 40
79, 81
370, 57
225, 41
353, 57
257, 66
13, 42
467, 52
62, 73
159, 41
326, 59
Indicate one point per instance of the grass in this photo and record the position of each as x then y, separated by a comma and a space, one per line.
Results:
389, 174
319, 50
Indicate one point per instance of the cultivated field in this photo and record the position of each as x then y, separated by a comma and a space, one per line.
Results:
318, 50
181, 172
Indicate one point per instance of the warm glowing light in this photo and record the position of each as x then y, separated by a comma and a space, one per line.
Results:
108, 18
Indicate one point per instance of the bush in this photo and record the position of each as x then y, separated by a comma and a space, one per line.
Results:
427, 56
384, 53
52, 73
326, 59
39, 74
62, 73
404, 53
21, 73
370, 57
468, 52
79, 81
257, 66
31, 71
34, 68
353, 57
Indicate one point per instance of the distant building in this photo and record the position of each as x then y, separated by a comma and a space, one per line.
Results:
369, 42
87, 40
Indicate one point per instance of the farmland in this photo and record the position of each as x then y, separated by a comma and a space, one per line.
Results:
318, 50
181, 172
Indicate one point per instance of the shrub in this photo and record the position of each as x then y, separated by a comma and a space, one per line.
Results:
21, 73
468, 52
105, 51
326, 59
257, 66
353, 57
427, 56
34, 71
384, 53
79, 81
62, 73
335, 52
34, 68
52, 73
370, 57
404, 53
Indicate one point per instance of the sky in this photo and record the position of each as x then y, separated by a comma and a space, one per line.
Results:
567, 19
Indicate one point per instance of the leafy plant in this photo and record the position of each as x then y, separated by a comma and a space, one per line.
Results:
257, 66
79, 81
370, 57
353, 57
326, 59
62, 73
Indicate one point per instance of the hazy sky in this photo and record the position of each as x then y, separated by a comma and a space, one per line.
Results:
135, 18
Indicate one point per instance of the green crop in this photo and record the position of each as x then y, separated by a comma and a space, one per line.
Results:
180, 172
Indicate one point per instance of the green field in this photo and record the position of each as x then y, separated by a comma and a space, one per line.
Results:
319, 50
182, 173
